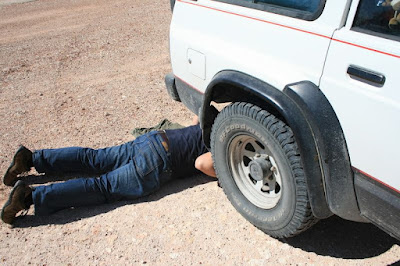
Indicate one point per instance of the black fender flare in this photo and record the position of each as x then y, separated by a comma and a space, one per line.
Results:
236, 86
316, 128
332, 148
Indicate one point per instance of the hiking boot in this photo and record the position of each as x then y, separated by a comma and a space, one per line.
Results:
22, 162
16, 202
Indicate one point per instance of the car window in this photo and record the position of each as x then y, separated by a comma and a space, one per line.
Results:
302, 5
303, 9
378, 17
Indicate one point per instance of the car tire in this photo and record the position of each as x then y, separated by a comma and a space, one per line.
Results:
259, 168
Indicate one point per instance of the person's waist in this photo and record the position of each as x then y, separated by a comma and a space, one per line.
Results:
164, 139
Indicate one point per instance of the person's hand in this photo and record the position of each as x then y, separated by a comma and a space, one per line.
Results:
195, 120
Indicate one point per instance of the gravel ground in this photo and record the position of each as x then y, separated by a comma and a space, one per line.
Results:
85, 73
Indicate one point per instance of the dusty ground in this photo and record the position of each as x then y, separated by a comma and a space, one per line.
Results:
86, 72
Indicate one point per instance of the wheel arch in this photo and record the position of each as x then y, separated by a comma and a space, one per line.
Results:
295, 105
333, 153
232, 86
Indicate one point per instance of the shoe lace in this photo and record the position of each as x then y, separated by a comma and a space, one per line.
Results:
24, 212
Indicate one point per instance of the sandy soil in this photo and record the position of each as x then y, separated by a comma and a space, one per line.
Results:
86, 72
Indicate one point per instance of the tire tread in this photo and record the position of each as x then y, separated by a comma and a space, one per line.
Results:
303, 217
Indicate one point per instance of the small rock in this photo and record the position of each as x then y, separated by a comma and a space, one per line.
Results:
282, 261
173, 255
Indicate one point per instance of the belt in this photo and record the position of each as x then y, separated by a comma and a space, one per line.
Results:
165, 141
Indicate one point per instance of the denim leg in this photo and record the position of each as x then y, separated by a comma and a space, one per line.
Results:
139, 177
84, 161
122, 183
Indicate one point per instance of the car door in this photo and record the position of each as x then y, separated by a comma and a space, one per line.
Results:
361, 81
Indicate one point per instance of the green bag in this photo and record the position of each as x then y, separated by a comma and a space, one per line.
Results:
164, 124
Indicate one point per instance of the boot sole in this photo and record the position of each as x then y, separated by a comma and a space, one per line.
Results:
8, 203
11, 183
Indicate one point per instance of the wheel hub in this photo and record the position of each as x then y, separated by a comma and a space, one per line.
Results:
260, 168
255, 171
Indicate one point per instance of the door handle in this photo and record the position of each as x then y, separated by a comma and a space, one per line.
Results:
366, 75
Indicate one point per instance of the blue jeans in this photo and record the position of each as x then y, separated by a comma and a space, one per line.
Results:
128, 171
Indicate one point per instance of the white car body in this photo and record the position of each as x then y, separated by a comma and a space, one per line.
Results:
207, 37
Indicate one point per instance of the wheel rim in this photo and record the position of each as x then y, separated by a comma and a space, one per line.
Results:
255, 171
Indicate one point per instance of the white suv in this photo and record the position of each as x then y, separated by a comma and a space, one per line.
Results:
313, 127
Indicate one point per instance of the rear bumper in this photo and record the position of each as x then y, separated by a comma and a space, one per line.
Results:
171, 87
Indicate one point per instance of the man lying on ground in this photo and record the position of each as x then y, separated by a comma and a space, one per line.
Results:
125, 172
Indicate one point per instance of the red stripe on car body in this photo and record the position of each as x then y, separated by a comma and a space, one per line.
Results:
292, 28
376, 179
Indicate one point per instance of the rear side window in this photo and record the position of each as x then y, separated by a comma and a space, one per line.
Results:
301, 5
378, 17
303, 9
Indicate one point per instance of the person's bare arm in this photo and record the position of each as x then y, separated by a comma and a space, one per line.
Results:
195, 120
205, 164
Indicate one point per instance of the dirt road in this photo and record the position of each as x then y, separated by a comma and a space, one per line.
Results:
86, 72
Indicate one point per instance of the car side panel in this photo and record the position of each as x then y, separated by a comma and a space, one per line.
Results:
274, 48
369, 114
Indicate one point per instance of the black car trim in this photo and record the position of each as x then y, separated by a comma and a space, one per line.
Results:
332, 147
192, 98
376, 180
171, 87
378, 202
